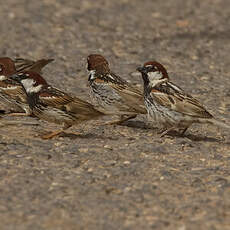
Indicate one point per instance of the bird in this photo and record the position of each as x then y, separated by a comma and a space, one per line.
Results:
112, 93
12, 96
53, 105
168, 105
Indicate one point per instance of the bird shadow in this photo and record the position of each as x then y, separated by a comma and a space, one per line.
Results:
173, 133
196, 138
78, 135
135, 124
74, 136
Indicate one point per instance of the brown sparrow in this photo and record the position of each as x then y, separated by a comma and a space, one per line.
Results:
12, 95
168, 105
112, 93
54, 105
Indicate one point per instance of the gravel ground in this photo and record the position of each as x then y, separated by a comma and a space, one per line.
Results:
119, 177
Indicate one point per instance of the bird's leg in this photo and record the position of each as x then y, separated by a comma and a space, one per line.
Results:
56, 133
165, 131
121, 120
17, 114
52, 134
66, 126
183, 131
126, 118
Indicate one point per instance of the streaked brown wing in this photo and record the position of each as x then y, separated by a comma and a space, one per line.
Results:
180, 102
13, 90
124, 87
126, 98
22, 64
57, 99
53, 97
131, 96
29, 65
82, 108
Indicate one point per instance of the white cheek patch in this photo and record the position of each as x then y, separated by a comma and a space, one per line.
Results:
28, 83
29, 86
154, 75
92, 74
3, 77
111, 77
154, 78
35, 89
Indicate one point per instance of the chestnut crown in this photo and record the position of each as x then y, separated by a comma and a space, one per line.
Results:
97, 62
7, 66
153, 66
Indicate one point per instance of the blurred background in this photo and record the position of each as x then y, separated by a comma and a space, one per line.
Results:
191, 38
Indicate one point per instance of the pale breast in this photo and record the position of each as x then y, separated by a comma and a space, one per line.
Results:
164, 117
106, 97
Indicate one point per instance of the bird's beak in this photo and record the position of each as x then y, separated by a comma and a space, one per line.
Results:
141, 69
15, 77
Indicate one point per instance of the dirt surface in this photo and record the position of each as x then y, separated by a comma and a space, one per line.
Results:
119, 177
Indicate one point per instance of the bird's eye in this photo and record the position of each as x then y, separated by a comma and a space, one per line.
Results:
152, 69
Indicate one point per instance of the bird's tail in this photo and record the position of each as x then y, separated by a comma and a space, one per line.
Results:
29, 65
7, 123
215, 122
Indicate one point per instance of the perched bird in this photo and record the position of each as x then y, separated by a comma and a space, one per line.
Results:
12, 96
53, 105
111, 93
168, 105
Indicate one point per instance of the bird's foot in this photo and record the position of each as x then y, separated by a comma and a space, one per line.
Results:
19, 114
164, 132
120, 121
52, 134
56, 133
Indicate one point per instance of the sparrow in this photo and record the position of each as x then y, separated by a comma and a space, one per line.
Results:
12, 95
168, 105
112, 93
53, 105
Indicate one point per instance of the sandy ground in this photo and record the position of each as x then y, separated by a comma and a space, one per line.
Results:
119, 177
